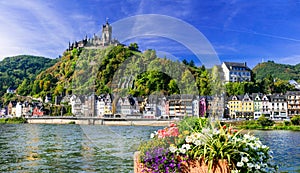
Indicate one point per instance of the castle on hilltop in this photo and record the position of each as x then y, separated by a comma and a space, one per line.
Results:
96, 41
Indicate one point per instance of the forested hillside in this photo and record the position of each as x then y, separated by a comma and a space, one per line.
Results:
123, 70
15, 70
279, 71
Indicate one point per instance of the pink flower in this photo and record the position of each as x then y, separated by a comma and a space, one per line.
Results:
173, 131
172, 125
161, 133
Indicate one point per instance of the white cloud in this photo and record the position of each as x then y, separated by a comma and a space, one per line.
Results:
293, 60
29, 27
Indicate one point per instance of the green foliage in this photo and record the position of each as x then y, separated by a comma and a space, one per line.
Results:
133, 46
287, 123
295, 120
14, 120
192, 124
263, 121
14, 70
279, 71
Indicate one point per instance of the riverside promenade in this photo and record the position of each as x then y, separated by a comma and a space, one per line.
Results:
98, 121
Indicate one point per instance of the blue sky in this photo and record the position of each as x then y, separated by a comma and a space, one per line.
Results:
251, 31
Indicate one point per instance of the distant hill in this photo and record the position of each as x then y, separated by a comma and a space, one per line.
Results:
14, 70
281, 71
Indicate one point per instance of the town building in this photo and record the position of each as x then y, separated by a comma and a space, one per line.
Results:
241, 107
278, 107
11, 90
180, 105
104, 106
236, 72
76, 103
293, 101
235, 106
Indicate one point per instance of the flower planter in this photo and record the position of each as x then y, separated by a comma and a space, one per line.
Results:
189, 167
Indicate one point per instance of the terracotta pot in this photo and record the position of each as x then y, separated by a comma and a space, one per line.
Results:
195, 166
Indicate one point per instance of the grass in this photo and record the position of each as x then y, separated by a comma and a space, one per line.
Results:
14, 120
277, 126
72, 122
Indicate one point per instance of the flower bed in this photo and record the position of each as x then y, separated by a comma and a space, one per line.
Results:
199, 146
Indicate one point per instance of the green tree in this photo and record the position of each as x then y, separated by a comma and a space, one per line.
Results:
268, 84
172, 87
295, 120
263, 121
184, 61
133, 46
24, 88
203, 84
217, 87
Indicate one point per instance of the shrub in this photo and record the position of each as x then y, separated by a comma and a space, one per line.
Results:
287, 123
296, 120
263, 121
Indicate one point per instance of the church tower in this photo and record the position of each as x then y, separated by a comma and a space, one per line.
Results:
106, 34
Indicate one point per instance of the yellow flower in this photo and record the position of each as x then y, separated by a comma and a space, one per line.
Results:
186, 132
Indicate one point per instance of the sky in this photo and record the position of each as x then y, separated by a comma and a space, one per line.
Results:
231, 30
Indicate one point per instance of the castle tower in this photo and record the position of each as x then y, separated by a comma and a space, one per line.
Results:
106, 34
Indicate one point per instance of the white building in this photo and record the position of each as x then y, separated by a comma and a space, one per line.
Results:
77, 105
19, 109
278, 107
104, 105
236, 72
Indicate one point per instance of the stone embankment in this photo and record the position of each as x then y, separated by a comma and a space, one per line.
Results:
99, 121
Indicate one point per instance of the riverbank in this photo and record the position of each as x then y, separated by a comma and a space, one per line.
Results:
99, 121
15, 120
252, 125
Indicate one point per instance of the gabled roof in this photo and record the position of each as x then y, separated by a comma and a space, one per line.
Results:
277, 96
293, 93
229, 65
239, 97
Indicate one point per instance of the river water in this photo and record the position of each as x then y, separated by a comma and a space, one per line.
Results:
80, 148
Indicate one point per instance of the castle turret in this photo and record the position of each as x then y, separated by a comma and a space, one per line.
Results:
106, 34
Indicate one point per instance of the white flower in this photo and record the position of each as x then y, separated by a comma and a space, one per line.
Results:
216, 132
182, 150
197, 135
197, 142
188, 139
264, 146
246, 149
246, 136
173, 149
205, 130
245, 159
186, 146
240, 164
250, 165
234, 171
257, 166
152, 135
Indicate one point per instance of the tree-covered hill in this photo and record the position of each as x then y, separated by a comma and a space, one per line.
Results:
279, 71
14, 70
119, 69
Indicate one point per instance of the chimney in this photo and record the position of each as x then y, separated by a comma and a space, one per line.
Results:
245, 63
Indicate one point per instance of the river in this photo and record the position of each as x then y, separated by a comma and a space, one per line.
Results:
84, 148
